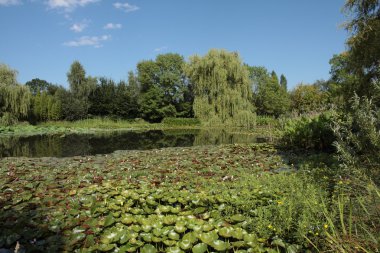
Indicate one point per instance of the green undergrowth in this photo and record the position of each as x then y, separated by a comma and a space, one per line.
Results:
230, 198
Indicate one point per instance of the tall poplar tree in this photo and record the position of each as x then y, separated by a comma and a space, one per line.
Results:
221, 88
283, 82
81, 88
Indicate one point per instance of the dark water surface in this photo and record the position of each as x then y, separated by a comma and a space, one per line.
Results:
92, 144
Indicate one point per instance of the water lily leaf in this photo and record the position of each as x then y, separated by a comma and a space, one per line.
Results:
169, 220
237, 218
77, 237
125, 237
173, 235
156, 239
191, 237
135, 228
278, 242
180, 227
169, 242
174, 250
106, 247
238, 244
146, 237
176, 209
110, 236
163, 209
157, 232
109, 220
146, 228
207, 227
199, 210
220, 245
226, 232
199, 248
197, 228
136, 243
238, 233
251, 239
185, 244
208, 237
127, 219
148, 248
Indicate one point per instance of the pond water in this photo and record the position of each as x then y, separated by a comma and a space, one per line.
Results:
92, 144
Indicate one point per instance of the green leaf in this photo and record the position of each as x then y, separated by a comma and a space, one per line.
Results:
208, 237
278, 242
109, 220
173, 235
185, 244
237, 218
220, 245
200, 248
148, 248
174, 250
106, 247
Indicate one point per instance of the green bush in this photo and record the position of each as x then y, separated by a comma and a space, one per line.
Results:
181, 121
358, 138
309, 132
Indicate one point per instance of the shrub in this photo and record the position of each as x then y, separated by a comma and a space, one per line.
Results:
358, 138
309, 132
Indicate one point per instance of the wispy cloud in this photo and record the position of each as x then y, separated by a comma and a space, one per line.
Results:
69, 5
79, 27
125, 7
92, 41
160, 49
9, 2
112, 26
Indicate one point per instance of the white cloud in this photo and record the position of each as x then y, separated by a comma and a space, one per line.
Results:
69, 5
125, 7
79, 27
160, 49
111, 26
93, 41
9, 2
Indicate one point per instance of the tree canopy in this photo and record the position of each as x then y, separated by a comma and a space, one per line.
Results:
221, 88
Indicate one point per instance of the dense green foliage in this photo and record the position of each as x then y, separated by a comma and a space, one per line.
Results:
165, 90
308, 99
14, 98
309, 132
221, 89
270, 96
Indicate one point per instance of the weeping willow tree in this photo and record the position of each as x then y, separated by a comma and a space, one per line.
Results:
221, 88
15, 99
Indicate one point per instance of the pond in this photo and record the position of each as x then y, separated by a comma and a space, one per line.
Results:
104, 143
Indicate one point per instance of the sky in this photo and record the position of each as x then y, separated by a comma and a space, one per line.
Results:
41, 38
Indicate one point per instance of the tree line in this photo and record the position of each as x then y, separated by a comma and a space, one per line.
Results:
217, 87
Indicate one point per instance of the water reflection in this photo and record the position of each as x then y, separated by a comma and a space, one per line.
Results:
91, 144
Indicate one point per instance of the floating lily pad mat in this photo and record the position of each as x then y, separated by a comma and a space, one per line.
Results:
162, 200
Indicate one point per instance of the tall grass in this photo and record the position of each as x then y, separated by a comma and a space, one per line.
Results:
353, 222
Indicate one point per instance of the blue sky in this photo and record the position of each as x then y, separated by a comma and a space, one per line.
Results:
41, 38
